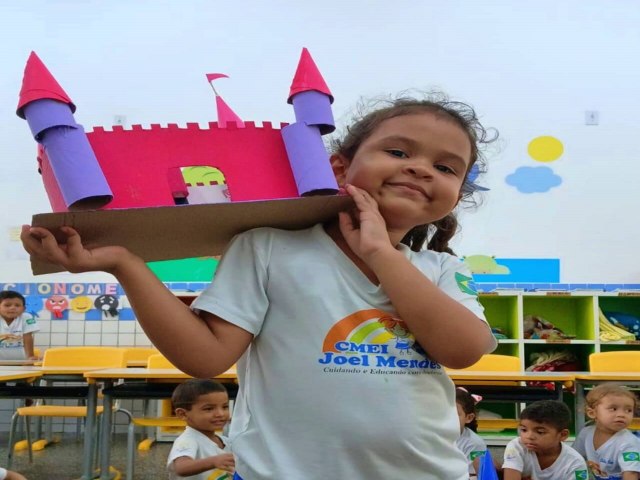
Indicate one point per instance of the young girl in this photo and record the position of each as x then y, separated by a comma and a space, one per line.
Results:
299, 311
612, 451
469, 442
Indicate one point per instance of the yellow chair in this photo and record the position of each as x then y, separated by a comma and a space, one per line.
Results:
89, 357
138, 356
617, 361
494, 363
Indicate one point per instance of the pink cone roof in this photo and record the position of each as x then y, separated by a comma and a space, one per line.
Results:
308, 77
38, 83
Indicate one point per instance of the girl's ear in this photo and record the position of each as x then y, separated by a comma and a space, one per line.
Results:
469, 418
339, 165
591, 413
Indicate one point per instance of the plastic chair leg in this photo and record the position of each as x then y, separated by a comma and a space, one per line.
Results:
12, 434
131, 450
27, 429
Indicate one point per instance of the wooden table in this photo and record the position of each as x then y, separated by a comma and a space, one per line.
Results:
109, 375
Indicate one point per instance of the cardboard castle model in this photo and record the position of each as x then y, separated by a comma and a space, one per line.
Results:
138, 171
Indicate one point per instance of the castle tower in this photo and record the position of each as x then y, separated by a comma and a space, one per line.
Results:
71, 170
311, 101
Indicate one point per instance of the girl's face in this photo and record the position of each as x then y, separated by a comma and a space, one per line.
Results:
413, 166
612, 413
463, 417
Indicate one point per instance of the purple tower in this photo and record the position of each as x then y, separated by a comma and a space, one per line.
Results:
49, 113
309, 159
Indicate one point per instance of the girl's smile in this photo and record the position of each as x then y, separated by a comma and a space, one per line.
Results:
413, 166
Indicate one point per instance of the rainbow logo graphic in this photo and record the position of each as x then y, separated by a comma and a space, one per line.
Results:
362, 327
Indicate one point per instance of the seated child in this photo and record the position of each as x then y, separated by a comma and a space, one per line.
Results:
10, 475
16, 331
469, 441
198, 453
611, 450
538, 453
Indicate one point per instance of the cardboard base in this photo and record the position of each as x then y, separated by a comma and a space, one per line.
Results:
167, 233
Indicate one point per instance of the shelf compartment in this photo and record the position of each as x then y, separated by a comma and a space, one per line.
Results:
574, 315
502, 312
580, 351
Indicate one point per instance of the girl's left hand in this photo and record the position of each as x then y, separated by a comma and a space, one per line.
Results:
364, 228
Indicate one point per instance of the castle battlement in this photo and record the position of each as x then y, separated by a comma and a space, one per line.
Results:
265, 125
145, 165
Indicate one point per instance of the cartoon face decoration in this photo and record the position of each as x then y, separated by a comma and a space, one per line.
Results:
56, 304
33, 304
81, 304
107, 304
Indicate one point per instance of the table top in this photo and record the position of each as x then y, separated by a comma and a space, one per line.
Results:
15, 374
511, 376
23, 362
609, 376
151, 373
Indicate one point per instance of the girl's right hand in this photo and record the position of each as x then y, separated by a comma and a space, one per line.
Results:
72, 255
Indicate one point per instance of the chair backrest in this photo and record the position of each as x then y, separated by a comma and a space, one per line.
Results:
618, 361
102, 357
140, 354
496, 363
159, 361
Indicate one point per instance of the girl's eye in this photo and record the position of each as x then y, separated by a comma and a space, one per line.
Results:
397, 153
445, 169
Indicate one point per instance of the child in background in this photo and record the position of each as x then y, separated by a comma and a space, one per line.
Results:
611, 450
292, 308
199, 453
16, 331
469, 442
538, 453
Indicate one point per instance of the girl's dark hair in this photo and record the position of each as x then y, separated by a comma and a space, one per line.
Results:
436, 234
468, 404
187, 393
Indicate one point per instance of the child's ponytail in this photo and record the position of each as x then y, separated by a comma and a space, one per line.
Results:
443, 231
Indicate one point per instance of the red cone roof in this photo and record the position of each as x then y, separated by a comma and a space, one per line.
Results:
307, 78
38, 83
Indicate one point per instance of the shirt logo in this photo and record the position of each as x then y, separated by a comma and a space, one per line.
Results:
630, 456
465, 284
31, 321
474, 455
581, 475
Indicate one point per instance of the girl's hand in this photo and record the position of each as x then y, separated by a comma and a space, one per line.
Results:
71, 255
364, 228
224, 461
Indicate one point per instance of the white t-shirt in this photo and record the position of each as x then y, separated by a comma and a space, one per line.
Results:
193, 444
333, 385
568, 466
621, 453
3, 473
11, 336
472, 445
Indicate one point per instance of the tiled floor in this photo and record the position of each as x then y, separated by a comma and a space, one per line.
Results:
63, 460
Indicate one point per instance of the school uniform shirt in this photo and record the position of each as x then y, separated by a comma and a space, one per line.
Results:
333, 384
472, 445
193, 444
568, 466
621, 453
3, 473
11, 336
